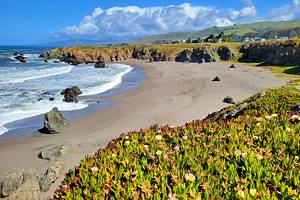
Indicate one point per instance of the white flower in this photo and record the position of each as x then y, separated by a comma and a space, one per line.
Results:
94, 169
127, 142
126, 137
158, 152
190, 177
158, 137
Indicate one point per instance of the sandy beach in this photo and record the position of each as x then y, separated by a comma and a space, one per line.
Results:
172, 93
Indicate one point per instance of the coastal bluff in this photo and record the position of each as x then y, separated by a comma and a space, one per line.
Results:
270, 52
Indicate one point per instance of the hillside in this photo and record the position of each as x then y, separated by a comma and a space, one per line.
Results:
235, 29
252, 153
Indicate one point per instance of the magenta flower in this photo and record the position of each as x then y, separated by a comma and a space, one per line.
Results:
177, 148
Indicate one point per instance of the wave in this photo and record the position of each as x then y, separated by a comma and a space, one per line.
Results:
32, 109
41, 74
117, 79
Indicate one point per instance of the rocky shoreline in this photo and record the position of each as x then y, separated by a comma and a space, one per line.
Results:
270, 53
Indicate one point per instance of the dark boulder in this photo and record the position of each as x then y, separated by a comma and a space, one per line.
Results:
53, 122
70, 59
71, 94
20, 57
46, 61
158, 56
225, 53
232, 66
216, 79
184, 56
229, 100
100, 63
200, 55
51, 99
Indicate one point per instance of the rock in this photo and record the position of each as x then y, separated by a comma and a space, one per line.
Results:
30, 190
100, 63
40, 99
158, 56
19, 56
46, 61
53, 122
229, 100
199, 55
184, 56
51, 99
225, 53
12, 181
296, 108
54, 153
232, 66
234, 113
50, 176
216, 79
70, 59
56, 61
71, 94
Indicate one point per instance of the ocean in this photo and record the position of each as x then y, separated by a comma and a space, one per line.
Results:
26, 88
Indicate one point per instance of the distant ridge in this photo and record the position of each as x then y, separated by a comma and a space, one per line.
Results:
235, 29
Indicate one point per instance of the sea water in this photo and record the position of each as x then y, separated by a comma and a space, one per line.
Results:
26, 88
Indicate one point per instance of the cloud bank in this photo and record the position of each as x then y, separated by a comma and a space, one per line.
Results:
286, 13
132, 21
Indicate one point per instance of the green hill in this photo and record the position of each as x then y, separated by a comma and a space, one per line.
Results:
235, 29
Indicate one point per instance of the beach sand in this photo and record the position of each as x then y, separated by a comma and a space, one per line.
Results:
172, 93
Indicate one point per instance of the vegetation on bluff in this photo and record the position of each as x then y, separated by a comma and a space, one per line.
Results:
253, 155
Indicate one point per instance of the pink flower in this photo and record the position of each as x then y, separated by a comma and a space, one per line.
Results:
146, 148
177, 148
185, 137
209, 137
172, 197
172, 126
165, 156
159, 131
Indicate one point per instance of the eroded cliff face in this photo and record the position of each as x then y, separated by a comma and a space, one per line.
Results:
272, 53
79, 55
269, 53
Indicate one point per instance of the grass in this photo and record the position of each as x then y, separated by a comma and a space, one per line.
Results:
235, 29
254, 155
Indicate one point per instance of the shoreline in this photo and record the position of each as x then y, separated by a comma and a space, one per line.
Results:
172, 93
30, 125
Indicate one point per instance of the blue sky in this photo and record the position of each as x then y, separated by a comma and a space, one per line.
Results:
35, 21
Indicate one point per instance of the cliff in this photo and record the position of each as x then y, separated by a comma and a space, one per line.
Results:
272, 53
267, 53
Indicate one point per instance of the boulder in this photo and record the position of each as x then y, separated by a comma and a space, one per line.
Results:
51, 99
184, 56
50, 176
199, 55
232, 66
236, 112
19, 56
71, 94
46, 61
229, 100
100, 63
225, 53
14, 180
216, 79
70, 59
53, 122
30, 190
54, 153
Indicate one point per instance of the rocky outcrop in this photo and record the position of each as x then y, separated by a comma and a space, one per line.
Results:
100, 63
54, 153
28, 191
14, 180
53, 122
201, 55
232, 66
272, 53
71, 94
19, 56
50, 176
198, 55
216, 79
225, 53
184, 56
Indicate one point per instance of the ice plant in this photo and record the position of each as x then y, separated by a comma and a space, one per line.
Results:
158, 152
94, 169
146, 148
158, 137
172, 197
253, 192
177, 148
185, 137
190, 177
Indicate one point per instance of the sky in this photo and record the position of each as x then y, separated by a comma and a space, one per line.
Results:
41, 21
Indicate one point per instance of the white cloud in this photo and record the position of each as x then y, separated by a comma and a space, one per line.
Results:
286, 13
133, 21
